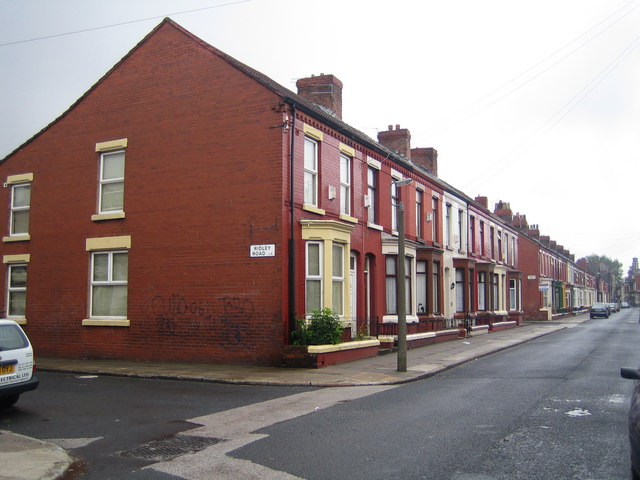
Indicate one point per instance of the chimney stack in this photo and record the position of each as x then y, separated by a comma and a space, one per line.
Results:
503, 210
520, 222
484, 201
325, 90
398, 140
426, 158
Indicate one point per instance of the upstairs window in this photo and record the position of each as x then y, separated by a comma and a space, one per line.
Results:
310, 172
419, 213
20, 206
434, 219
447, 225
111, 196
345, 185
395, 206
461, 243
372, 186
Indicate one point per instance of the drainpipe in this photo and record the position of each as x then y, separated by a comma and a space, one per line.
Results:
292, 241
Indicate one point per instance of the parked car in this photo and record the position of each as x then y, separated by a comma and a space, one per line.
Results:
17, 363
624, 305
599, 310
614, 307
634, 420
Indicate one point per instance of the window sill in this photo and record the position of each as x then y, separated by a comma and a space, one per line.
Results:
313, 208
17, 238
107, 216
374, 226
348, 218
18, 320
410, 318
93, 322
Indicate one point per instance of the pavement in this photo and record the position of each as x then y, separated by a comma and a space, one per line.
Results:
24, 458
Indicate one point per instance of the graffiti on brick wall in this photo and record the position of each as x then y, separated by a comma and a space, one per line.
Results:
236, 313
169, 312
227, 319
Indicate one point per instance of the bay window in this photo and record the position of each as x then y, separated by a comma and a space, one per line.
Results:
313, 296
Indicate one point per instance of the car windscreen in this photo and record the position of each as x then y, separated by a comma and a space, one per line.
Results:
12, 338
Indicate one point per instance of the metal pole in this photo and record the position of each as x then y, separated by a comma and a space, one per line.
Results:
402, 295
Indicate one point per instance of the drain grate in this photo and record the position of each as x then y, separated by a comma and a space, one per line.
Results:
170, 448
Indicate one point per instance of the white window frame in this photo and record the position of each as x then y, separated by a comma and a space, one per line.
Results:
460, 306
345, 184
434, 219
110, 181
16, 209
391, 284
419, 213
513, 297
447, 225
482, 291
311, 173
314, 277
395, 206
11, 289
337, 278
109, 282
372, 191
422, 288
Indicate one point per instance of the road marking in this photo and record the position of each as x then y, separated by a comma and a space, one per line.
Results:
236, 427
72, 443
578, 412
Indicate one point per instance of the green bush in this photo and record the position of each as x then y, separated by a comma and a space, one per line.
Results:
323, 328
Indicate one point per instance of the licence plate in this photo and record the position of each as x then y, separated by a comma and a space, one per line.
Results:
6, 369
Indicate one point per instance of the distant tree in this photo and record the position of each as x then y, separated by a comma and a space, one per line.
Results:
613, 266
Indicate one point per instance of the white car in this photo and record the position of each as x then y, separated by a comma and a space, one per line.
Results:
17, 363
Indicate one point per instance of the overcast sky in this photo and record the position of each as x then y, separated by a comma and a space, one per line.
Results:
536, 103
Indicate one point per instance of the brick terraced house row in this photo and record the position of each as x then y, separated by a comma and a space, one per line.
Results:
189, 208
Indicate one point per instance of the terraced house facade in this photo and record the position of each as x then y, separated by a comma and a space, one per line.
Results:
188, 208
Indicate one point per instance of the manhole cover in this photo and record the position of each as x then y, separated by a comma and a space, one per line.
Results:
170, 448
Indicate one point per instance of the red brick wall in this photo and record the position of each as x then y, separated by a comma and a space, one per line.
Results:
203, 182
529, 266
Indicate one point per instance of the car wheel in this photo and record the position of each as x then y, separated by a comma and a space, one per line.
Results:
6, 402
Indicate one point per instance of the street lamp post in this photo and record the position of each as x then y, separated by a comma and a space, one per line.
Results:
402, 294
